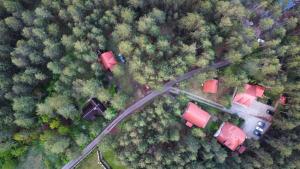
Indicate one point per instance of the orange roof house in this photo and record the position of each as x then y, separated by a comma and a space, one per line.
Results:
210, 86
254, 90
108, 60
244, 99
194, 115
230, 136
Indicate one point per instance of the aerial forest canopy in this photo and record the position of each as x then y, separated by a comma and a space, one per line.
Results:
49, 68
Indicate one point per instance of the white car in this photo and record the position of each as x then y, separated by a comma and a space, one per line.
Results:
260, 40
259, 129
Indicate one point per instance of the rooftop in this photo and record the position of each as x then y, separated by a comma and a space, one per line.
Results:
210, 86
244, 99
194, 115
230, 136
254, 90
252, 114
282, 100
108, 60
92, 109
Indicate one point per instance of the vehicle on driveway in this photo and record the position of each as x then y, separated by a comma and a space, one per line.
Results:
259, 129
257, 133
261, 124
270, 112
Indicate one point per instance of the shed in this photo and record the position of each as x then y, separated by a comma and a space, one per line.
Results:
230, 136
194, 115
282, 100
108, 60
210, 86
92, 109
254, 90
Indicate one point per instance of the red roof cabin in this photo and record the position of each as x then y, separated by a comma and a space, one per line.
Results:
210, 86
254, 90
230, 136
194, 115
244, 99
108, 60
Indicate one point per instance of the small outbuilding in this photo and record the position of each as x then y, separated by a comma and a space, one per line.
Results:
230, 136
92, 109
210, 86
254, 90
108, 60
194, 115
283, 100
244, 99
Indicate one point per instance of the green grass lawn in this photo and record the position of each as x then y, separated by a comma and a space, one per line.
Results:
111, 157
91, 162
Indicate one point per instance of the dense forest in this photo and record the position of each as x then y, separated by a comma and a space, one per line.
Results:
49, 68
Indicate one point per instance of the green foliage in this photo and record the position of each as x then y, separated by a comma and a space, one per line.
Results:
9, 164
48, 69
63, 130
23, 104
57, 145
266, 23
81, 139
198, 133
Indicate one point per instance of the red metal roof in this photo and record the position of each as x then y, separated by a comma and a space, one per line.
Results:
254, 90
282, 100
241, 149
244, 99
194, 115
108, 60
230, 136
210, 86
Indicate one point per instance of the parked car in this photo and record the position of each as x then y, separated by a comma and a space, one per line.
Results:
261, 124
259, 129
257, 133
99, 51
270, 112
121, 58
269, 102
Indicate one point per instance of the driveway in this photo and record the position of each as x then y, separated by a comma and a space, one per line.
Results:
250, 124
252, 115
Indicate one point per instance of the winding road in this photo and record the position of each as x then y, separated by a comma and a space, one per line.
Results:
135, 106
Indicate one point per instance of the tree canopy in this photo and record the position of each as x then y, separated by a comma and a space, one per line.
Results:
49, 68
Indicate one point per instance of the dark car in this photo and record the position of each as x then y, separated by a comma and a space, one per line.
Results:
257, 133
261, 124
100, 51
270, 112
121, 58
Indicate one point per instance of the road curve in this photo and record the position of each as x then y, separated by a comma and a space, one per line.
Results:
135, 106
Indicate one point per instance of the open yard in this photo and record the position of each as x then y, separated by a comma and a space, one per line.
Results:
91, 162
110, 155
